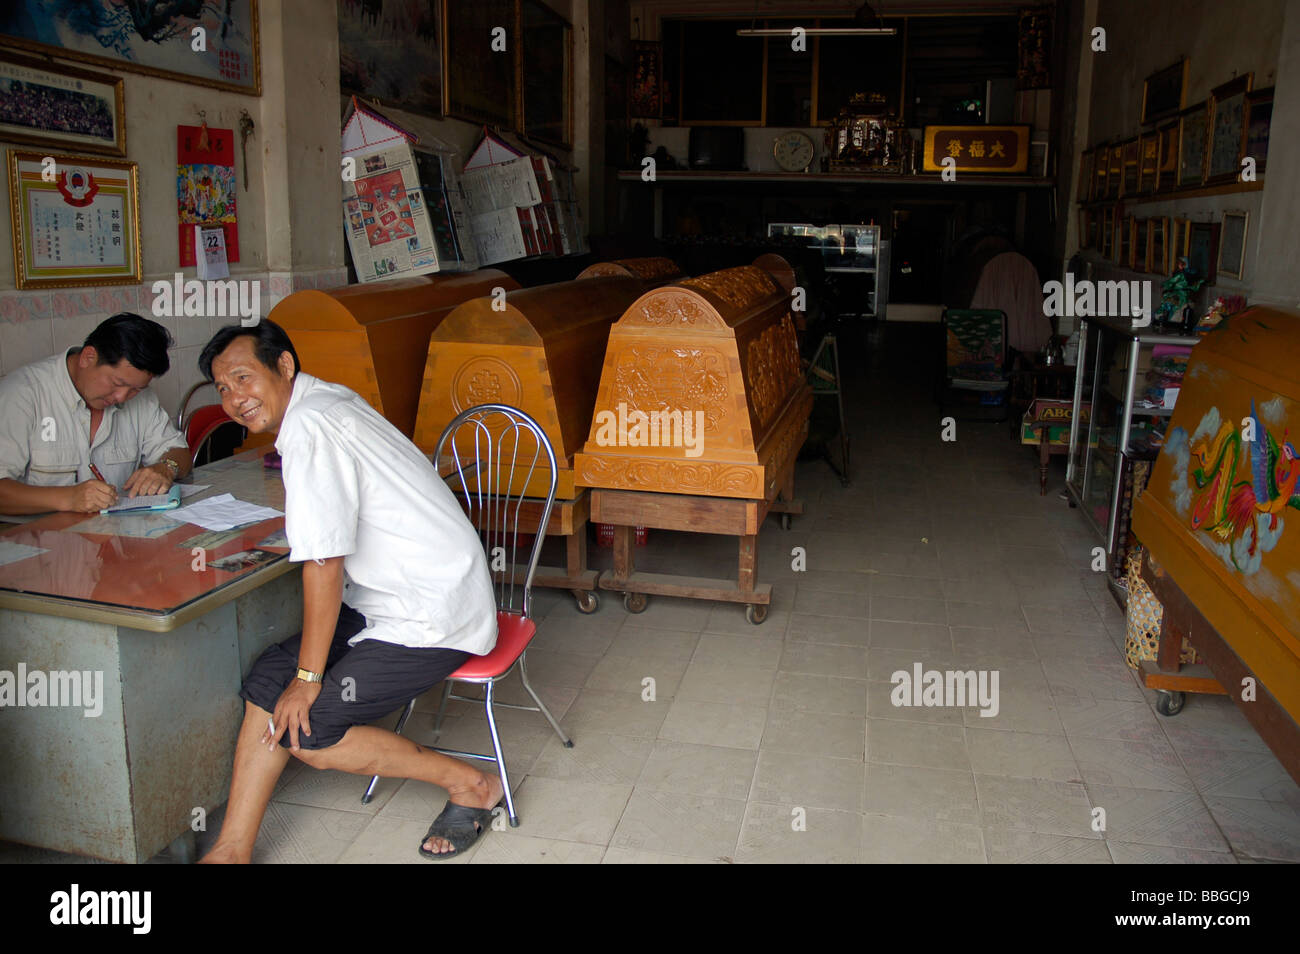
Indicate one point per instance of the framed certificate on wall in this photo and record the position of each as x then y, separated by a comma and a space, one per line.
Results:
75, 220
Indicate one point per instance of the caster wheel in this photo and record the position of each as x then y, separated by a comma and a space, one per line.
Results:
1170, 703
635, 602
755, 613
588, 602
786, 520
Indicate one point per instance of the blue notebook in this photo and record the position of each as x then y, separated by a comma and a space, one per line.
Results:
168, 501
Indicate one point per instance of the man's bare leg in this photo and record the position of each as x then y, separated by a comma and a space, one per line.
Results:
253, 780
369, 750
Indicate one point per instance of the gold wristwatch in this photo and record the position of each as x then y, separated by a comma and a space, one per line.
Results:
306, 675
174, 467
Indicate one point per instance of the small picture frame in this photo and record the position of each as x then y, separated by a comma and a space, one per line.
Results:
1203, 250
82, 228
1227, 125
1259, 120
1148, 162
1232, 244
1192, 136
1140, 245
1163, 92
1130, 180
1158, 243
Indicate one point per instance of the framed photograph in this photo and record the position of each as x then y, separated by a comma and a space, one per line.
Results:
1192, 130
152, 38
1130, 179
1158, 243
1167, 170
1085, 175
1227, 123
44, 104
478, 82
1163, 92
1124, 241
1203, 250
398, 67
1232, 244
83, 228
1107, 236
547, 74
1148, 162
1259, 119
1140, 247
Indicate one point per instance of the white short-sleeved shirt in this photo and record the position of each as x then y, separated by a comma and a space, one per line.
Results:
45, 430
355, 487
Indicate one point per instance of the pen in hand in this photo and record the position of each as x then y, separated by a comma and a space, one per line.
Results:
100, 477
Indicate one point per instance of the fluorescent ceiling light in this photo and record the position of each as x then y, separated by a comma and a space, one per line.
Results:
822, 31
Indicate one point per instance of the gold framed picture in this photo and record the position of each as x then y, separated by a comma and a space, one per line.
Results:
1167, 169
1232, 244
1163, 92
1158, 243
1148, 162
75, 220
1227, 129
1140, 245
1192, 136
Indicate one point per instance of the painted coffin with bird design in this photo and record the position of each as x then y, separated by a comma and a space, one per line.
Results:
1221, 514
537, 349
374, 338
702, 391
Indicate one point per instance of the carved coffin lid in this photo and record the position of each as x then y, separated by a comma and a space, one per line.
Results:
373, 338
647, 269
540, 353
720, 349
1221, 513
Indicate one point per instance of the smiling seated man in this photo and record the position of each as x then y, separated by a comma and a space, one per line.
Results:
395, 587
85, 414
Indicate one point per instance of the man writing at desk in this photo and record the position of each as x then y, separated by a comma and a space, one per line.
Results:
78, 425
396, 595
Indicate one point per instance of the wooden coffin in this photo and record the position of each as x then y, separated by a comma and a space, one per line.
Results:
720, 349
374, 338
541, 354
1221, 514
654, 271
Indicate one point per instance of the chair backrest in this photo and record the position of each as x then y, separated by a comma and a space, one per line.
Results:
975, 339
494, 449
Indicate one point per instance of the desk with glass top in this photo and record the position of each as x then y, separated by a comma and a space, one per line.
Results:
134, 601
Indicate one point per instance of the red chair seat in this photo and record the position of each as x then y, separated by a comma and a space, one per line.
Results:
514, 633
203, 423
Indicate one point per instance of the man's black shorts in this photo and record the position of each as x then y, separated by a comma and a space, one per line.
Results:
362, 683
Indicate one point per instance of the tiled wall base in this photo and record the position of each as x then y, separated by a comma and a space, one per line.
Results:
36, 324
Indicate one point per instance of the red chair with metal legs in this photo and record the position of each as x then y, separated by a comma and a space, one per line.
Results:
207, 426
494, 450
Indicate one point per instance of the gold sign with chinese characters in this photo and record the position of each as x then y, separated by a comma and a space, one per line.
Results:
977, 148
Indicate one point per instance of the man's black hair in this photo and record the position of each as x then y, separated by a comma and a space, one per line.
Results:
270, 342
143, 343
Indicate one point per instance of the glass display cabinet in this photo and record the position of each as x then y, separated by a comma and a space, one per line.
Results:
1114, 433
854, 253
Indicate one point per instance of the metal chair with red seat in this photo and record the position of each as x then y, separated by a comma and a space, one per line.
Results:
204, 426
485, 442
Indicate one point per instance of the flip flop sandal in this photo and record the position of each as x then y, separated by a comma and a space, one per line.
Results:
458, 824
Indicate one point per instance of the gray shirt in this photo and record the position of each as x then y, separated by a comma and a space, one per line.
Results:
45, 430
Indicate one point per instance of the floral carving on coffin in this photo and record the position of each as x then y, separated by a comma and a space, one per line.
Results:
667, 379
772, 361
738, 287
631, 473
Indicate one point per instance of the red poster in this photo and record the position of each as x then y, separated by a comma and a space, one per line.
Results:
205, 187
389, 215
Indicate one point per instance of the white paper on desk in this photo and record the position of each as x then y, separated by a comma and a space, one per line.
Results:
189, 490
223, 512
13, 552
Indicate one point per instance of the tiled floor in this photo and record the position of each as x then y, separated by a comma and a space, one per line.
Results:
780, 742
